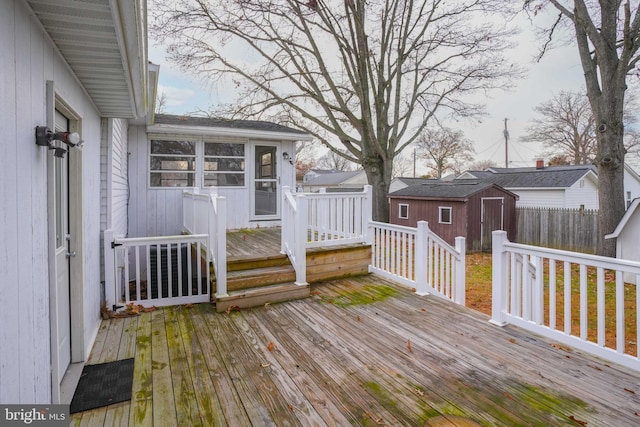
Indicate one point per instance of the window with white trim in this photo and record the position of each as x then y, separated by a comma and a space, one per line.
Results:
224, 164
444, 214
172, 163
196, 163
403, 211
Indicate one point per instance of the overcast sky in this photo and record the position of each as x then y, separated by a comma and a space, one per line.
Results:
558, 70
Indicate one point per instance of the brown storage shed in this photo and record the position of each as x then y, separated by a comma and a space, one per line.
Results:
468, 208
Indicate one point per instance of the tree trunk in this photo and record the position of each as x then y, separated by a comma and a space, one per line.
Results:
379, 176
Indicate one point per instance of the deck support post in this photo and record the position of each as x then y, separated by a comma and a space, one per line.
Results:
300, 245
422, 258
499, 278
460, 285
110, 291
367, 212
219, 232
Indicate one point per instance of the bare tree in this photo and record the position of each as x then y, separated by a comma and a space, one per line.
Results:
444, 149
565, 126
480, 165
402, 165
369, 74
607, 35
161, 103
336, 160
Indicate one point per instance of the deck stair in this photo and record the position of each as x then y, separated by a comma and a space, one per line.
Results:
255, 281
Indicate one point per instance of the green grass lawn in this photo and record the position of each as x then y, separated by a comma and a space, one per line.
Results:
478, 297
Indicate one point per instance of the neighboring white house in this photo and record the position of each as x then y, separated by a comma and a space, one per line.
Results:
567, 186
626, 234
336, 181
246, 161
70, 66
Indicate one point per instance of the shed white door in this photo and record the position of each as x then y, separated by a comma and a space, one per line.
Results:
60, 224
265, 200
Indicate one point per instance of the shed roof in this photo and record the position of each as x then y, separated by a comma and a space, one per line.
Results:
625, 219
415, 181
177, 120
462, 189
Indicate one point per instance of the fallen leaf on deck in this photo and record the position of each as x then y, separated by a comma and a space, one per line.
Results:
575, 420
512, 340
358, 318
561, 347
244, 237
315, 293
419, 392
629, 391
508, 396
409, 346
413, 289
265, 365
190, 305
266, 305
148, 309
423, 309
271, 346
232, 307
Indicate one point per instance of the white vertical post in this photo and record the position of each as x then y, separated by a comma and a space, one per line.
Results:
286, 220
538, 291
420, 262
300, 244
499, 279
110, 285
460, 285
367, 208
221, 246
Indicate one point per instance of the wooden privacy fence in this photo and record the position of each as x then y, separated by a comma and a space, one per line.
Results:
568, 229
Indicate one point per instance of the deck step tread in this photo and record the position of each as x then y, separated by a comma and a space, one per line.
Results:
254, 297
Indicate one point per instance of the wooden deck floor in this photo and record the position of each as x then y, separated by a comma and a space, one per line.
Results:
358, 352
254, 242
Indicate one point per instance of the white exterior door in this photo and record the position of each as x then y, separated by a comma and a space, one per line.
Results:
60, 189
265, 188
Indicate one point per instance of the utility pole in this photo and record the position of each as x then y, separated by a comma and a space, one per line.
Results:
506, 144
414, 162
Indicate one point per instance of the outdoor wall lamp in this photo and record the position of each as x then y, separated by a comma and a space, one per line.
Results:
45, 138
286, 156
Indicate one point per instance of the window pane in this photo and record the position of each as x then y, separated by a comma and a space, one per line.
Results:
172, 179
445, 215
211, 164
223, 179
266, 198
173, 147
173, 163
216, 149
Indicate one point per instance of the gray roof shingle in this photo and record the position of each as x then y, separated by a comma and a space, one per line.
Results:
461, 189
548, 177
170, 119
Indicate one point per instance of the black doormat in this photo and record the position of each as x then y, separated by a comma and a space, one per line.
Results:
102, 385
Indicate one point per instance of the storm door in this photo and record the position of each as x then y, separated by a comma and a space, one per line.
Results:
265, 200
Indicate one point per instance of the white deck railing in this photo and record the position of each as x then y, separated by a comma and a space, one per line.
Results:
157, 271
419, 258
207, 214
294, 232
338, 218
551, 297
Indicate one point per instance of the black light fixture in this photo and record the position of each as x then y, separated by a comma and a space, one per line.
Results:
45, 138
286, 156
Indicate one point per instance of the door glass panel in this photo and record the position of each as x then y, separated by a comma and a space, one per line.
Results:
58, 183
266, 184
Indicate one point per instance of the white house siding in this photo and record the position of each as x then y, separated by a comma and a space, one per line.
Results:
29, 60
631, 186
113, 178
539, 198
158, 211
583, 193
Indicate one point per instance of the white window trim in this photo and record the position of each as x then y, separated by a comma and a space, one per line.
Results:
400, 206
199, 156
440, 210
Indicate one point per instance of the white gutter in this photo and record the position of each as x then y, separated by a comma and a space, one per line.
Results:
226, 131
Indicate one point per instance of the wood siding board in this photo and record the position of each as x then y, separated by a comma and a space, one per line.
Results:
9, 317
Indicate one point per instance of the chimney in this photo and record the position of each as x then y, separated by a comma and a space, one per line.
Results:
539, 164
